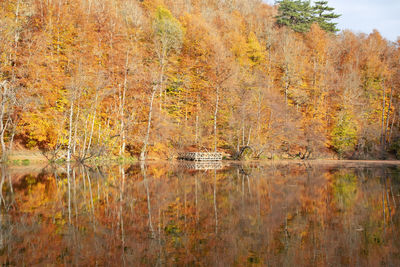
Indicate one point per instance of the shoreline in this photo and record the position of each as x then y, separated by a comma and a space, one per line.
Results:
25, 158
18, 159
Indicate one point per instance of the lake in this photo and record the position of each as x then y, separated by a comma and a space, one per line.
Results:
186, 214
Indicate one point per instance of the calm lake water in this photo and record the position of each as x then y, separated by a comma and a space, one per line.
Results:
281, 214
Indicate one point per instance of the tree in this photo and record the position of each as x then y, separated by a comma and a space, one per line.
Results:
297, 15
344, 134
7, 105
323, 15
168, 37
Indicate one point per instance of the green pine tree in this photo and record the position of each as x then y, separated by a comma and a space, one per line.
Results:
323, 15
296, 14
299, 15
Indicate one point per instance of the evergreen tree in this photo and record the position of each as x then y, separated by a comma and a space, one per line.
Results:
323, 15
295, 14
299, 15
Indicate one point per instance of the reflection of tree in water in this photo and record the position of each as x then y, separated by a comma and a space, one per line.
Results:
344, 190
163, 215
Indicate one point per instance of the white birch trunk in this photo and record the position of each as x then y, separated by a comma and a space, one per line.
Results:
71, 114
146, 139
215, 120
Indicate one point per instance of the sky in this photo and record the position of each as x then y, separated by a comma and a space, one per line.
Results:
366, 15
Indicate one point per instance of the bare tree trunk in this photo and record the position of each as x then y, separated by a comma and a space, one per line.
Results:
16, 38
196, 140
92, 129
146, 139
215, 120
83, 149
75, 131
161, 78
238, 143
286, 87
71, 114
13, 130
3, 145
259, 115
242, 129
3, 125
391, 128
248, 139
383, 116
122, 107
3, 176
123, 138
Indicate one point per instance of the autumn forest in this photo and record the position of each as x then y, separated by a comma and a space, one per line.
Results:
147, 79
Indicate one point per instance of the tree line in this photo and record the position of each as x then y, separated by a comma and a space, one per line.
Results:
83, 79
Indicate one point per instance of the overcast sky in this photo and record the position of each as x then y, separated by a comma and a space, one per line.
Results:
366, 15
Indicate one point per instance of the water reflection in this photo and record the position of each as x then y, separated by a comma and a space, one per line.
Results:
163, 214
